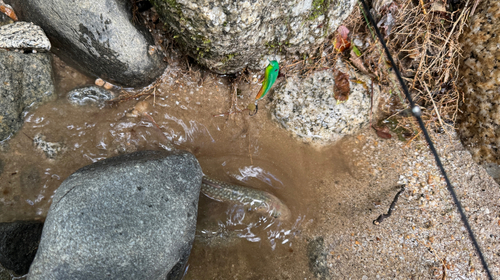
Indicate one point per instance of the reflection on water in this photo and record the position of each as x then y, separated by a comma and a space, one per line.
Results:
257, 172
252, 227
249, 150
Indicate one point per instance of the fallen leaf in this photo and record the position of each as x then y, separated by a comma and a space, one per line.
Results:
6, 9
356, 61
356, 50
383, 132
361, 83
343, 31
341, 42
342, 88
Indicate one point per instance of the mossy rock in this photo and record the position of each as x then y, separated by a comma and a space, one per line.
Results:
227, 36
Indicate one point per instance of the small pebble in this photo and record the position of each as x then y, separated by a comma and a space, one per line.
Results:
99, 82
108, 86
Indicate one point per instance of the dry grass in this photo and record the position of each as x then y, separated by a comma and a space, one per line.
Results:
424, 43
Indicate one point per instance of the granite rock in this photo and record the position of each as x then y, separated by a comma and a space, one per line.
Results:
479, 116
128, 217
97, 37
23, 35
227, 36
26, 82
308, 108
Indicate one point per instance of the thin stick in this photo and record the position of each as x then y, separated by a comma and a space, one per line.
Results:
152, 120
447, 39
474, 8
293, 64
413, 138
423, 8
424, 54
435, 108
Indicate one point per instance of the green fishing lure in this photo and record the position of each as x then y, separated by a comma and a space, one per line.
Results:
272, 71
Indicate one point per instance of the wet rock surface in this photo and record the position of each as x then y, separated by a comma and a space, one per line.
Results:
479, 123
308, 107
97, 36
50, 149
23, 35
318, 258
25, 83
227, 36
18, 244
4, 19
91, 95
127, 217
5, 274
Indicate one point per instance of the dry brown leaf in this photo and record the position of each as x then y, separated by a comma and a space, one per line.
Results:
342, 86
341, 42
383, 132
357, 62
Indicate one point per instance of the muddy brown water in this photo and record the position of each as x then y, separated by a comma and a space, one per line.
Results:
252, 151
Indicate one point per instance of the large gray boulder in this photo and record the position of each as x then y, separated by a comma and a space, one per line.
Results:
98, 37
227, 35
26, 81
128, 217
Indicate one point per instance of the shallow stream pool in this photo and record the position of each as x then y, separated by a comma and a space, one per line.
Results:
231, 243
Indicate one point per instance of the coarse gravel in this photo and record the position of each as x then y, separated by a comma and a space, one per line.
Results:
424, 237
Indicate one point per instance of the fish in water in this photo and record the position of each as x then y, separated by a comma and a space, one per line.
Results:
272, 71
259, 201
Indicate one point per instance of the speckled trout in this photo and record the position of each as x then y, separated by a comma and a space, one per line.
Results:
258, 201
